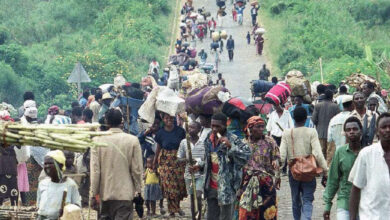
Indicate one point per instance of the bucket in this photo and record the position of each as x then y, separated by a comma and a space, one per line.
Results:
279, 93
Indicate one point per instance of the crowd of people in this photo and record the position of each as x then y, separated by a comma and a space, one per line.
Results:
235, 177
236, 165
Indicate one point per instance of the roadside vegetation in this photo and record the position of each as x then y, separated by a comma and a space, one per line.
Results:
351, 36
40, 42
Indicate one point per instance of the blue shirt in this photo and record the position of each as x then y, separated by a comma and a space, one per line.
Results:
83, 102
308, 122
170, 140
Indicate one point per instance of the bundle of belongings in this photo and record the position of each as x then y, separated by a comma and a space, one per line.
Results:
204, 100
299, 85
358, 79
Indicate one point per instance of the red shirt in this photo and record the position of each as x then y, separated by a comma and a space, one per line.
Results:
214, 165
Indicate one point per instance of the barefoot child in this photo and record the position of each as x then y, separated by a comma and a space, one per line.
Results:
51, 190
152, 191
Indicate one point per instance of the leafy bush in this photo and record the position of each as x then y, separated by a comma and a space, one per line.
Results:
336, 31
10, 87
278, 8
371, 12
40, 42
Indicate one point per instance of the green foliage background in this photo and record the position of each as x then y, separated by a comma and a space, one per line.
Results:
301, 31
40, 42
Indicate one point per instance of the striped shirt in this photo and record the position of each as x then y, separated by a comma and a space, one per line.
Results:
198, 153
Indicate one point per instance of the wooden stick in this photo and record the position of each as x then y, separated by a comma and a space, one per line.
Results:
64, 195
196, 208
322, 74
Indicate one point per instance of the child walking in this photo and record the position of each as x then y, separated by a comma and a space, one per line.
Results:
248, 38
152, 192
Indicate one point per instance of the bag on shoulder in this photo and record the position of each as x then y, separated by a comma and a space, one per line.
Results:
303, 168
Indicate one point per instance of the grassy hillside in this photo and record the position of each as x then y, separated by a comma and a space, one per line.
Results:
40, 42
350, 36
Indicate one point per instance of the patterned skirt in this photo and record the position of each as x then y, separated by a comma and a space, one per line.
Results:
8, 186
34, 170
258, 197
171, 175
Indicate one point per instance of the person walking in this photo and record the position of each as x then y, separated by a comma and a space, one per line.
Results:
240, 14
248, 38
335, 128
254, 11
225, 155
366, 117
197, 150
109, 165
152, 190
212, 26
370, 193
323, 112
369, 92
279, 120
203, 56
220, 80
340, 168
343, 91
298, 101
171, 172
264, 73
230, 47
257, 194
234, 13
95, 106
220, 45
154, 65
305, 142
259, 41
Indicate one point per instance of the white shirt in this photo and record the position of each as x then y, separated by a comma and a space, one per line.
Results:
382, 108
285, 121
370, 173
153, 65
49, 196
335, 129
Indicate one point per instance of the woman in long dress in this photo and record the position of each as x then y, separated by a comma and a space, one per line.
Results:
171, 172
257, 194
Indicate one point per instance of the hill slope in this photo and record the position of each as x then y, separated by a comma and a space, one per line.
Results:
344, 33
40, 42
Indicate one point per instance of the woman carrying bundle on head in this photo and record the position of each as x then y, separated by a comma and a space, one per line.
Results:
171, 173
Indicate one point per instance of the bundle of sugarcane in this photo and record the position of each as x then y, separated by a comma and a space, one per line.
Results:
12, 212
358, 79
76, 138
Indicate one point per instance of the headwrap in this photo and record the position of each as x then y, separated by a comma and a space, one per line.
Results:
5, 116
58, 156
252, 121
31, 112
30, 109
384, 92
29, 104
54, 110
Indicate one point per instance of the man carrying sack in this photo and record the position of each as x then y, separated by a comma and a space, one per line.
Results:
301, 147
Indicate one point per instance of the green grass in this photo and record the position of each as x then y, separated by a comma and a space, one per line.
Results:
42, 40
299, 32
